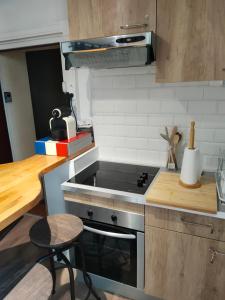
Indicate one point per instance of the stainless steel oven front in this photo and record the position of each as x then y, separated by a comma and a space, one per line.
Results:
113, 243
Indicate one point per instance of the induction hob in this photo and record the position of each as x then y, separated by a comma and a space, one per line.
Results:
117, 176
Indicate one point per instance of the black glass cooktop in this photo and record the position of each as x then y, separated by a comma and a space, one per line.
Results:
117, 176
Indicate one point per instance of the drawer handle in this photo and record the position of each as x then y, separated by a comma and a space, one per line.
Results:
133, 26
198, 224
213, 252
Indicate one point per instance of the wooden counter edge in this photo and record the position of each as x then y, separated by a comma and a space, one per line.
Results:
10, 218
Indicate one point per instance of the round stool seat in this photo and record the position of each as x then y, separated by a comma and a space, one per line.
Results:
56, 231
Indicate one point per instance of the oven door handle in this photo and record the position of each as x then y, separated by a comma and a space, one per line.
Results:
111, 234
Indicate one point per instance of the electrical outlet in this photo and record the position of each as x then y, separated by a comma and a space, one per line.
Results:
8, 97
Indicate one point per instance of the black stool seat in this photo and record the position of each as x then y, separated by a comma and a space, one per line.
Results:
56, 231
36, 284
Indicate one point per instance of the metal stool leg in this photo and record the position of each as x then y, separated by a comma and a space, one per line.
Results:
53, 272
70, 270
87, 278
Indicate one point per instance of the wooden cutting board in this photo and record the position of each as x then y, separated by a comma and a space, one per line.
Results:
166, 190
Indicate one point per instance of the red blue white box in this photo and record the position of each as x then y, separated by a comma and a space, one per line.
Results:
47, 146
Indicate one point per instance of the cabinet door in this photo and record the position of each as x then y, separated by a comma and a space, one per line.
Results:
97, 18
177, 266
190, 40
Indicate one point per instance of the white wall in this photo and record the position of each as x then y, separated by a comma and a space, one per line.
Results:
130, 110
19, 114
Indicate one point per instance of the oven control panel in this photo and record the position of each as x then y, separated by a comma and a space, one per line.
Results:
114, 217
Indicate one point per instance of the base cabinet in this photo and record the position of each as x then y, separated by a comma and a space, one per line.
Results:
178, 266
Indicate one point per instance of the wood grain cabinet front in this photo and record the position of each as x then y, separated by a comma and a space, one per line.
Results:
182, 266
99, 18
190, 40
194, 224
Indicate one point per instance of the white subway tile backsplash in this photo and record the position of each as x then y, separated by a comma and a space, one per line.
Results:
210, 163
102, 83
210, 148
125, 106
160, 120
147, 131
125, 131
189, 93
199, 107
174, 107
148, 106
103, 107
104, 130
130, 111
157, 145
221, 107
146, 157
220, 135
136, 120
145, 81
162, 93
137, 143
214, 93
125, 154
124, 82
205, 135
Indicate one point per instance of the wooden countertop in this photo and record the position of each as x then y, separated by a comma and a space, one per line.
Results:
166, 190
20, 186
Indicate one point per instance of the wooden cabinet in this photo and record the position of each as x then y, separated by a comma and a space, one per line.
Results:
98, 18
190, 40
177, 266
28, 23
209, 227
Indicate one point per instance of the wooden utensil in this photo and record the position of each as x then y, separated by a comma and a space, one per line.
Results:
165, 137
192, 136
173, 139
174, 130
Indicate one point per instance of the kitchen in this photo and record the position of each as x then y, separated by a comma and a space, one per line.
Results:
175, 246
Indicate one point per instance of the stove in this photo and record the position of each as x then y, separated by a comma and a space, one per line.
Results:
116, 176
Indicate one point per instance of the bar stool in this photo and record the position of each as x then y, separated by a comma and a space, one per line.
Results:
58, 233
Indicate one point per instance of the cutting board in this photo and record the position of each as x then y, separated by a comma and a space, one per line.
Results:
166, 190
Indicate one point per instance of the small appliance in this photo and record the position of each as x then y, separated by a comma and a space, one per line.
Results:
62, 124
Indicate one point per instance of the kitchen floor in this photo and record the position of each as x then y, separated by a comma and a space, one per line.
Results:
17, 255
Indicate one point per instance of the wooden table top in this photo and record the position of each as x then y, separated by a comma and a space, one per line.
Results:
20, 186
166, 190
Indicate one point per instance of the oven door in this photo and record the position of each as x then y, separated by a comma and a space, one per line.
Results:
112, 252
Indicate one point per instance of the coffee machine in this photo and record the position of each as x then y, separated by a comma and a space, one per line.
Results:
63, 125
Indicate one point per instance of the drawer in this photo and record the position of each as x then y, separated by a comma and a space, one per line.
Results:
198, 225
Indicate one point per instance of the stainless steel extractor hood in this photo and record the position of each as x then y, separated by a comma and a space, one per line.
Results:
110, 52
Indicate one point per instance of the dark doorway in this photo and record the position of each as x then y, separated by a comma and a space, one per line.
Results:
45, 77
5, 148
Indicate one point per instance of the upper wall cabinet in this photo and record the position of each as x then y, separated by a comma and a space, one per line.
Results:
98, 18
30, 22
190, 40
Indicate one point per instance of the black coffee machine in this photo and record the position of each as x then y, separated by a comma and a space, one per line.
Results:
63, 125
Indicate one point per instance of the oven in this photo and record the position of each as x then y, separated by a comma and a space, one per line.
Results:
113, 243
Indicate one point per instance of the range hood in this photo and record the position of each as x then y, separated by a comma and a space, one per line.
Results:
109, 52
